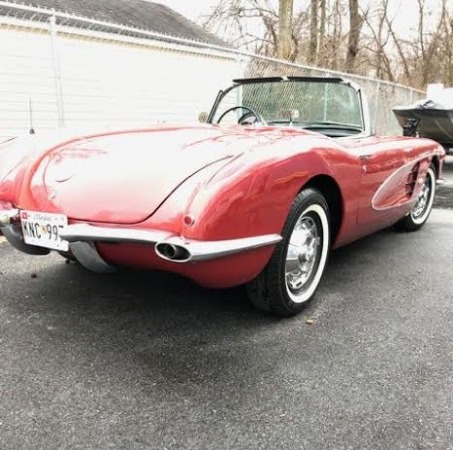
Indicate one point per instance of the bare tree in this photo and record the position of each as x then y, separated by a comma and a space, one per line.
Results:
401, 52
285, 20
381, 42
355, 27
257, 26
236, 21
332, 35
323, 23
321, 31
313, 45
379, 39
428, 42
421, 57
446, 45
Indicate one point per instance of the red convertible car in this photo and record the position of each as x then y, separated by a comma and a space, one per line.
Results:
284, 170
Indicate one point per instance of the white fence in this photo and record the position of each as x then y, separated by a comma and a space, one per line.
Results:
58, 70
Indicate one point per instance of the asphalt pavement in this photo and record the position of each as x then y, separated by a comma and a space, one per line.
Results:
152, 361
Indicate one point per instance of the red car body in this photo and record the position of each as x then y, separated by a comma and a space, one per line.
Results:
207, 186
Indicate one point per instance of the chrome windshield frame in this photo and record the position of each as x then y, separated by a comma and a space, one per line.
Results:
364, 111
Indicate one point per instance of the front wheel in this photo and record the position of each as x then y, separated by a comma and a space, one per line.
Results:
422, 206
295, 269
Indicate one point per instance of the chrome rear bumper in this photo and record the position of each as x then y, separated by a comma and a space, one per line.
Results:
168, 246
81, 238
89, 233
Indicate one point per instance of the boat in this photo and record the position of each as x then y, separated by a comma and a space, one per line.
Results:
429, 119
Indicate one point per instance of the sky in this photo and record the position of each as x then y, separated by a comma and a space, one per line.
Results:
405, 11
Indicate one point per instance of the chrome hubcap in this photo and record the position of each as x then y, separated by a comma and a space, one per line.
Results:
423, 199
303, 253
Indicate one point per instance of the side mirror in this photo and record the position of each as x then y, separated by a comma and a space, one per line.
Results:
203, 117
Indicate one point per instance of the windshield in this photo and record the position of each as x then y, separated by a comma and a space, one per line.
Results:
325, 106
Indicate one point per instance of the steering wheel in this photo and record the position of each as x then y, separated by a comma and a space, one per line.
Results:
249, 113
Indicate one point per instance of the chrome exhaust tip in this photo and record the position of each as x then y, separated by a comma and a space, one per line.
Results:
172, 252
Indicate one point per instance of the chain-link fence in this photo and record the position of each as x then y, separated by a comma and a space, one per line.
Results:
58, 70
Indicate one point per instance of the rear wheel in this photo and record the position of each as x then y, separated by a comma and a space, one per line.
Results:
295, 269
423, 205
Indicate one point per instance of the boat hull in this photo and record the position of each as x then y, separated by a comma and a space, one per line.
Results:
432, 122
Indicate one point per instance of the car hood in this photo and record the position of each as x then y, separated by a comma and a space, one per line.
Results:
122, 177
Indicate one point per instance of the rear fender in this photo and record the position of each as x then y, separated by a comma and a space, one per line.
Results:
250, 199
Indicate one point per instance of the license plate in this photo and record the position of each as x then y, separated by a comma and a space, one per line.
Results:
43, 229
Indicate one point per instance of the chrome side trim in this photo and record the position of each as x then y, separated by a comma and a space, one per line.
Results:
206, 250
13, 234
87, 255
90, 233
